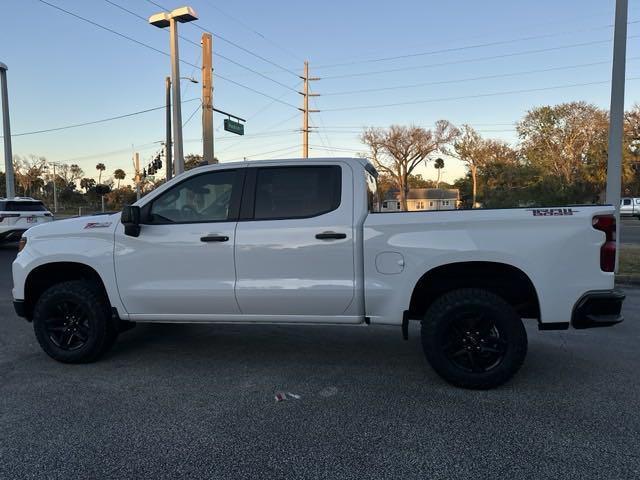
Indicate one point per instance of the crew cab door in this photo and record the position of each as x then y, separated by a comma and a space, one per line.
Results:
181, 266
295, 243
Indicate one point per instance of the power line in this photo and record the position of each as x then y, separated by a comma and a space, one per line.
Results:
93, 122
466, 97
226, 40
197, 109
259, 34
466, 47
477, 59
471, 79
281, 150
150, 47
218, 55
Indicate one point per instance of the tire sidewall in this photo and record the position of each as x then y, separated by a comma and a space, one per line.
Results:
84, 295
446, 310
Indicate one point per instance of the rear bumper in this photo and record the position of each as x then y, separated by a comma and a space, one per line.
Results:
598, 309
12, 235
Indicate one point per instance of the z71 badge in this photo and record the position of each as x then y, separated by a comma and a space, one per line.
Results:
552, 212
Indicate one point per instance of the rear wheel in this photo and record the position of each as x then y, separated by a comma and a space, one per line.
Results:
473, 338
72, 322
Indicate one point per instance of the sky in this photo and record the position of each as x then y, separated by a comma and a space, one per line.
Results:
380, 63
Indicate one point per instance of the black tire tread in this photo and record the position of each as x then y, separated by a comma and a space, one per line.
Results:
437, 313
99, 307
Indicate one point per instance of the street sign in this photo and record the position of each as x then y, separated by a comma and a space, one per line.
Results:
233, 127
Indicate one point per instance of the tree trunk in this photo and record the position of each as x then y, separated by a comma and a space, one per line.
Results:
438, 180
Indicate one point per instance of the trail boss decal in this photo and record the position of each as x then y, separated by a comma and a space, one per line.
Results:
97, 225
552, 212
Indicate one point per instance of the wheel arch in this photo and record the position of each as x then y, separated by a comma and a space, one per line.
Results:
49, 274
507, 281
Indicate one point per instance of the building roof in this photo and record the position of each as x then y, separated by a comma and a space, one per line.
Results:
427, 194
433, 194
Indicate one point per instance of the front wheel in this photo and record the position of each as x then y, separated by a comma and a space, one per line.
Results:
72, 323
473, 338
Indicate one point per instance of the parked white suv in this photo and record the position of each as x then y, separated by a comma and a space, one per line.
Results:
301, 242
19, 214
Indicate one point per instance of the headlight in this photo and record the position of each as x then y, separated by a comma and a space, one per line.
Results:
22, 244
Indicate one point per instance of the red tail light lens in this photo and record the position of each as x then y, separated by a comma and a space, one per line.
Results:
607, 224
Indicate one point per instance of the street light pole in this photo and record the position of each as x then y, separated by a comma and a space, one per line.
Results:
171, 19
616, 112
6, 131
177, 105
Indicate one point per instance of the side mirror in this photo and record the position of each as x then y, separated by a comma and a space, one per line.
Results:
130, 218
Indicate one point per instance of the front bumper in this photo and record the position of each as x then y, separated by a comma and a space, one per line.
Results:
19, 307
598, 309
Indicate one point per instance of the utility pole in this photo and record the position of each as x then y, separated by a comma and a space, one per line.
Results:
207, 98
616, 113
136, 166
6, 131
305, 108
167, 144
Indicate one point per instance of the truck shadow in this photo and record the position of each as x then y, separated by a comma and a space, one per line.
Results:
377, 353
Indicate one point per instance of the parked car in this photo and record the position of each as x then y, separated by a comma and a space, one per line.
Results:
19, 214
630, 207
300, 242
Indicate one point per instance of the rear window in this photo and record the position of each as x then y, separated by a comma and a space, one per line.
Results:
296, 192
26, 206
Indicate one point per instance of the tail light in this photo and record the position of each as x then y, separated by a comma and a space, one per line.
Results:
22, 244
607, 224
8, 215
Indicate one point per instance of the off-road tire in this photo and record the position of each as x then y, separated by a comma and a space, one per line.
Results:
442, 323
97, 327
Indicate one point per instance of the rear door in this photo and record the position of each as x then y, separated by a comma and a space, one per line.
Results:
295, 243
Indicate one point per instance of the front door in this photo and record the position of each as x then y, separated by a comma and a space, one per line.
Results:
181, 266
295, 243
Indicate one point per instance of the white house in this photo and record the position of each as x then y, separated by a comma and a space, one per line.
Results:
423, 199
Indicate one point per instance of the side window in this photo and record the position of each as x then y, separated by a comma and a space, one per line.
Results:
200, 199
627, 201
296, 192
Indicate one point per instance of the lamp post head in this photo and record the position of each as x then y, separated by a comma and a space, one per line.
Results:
160, 20
3, 66
184, 14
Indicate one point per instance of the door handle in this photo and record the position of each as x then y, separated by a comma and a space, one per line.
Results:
214, 238
331, 236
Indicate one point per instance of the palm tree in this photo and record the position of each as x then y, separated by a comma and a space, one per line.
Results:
101, 168
439, 164
119, 174
87, 184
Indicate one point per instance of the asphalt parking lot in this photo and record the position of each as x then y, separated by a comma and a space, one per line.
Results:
195, 401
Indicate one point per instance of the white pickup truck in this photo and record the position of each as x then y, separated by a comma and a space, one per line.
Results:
301, 242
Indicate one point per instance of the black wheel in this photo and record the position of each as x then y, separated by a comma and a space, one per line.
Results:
72, 322
473, 338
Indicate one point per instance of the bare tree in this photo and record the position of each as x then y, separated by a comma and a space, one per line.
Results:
29, 172
398, 151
